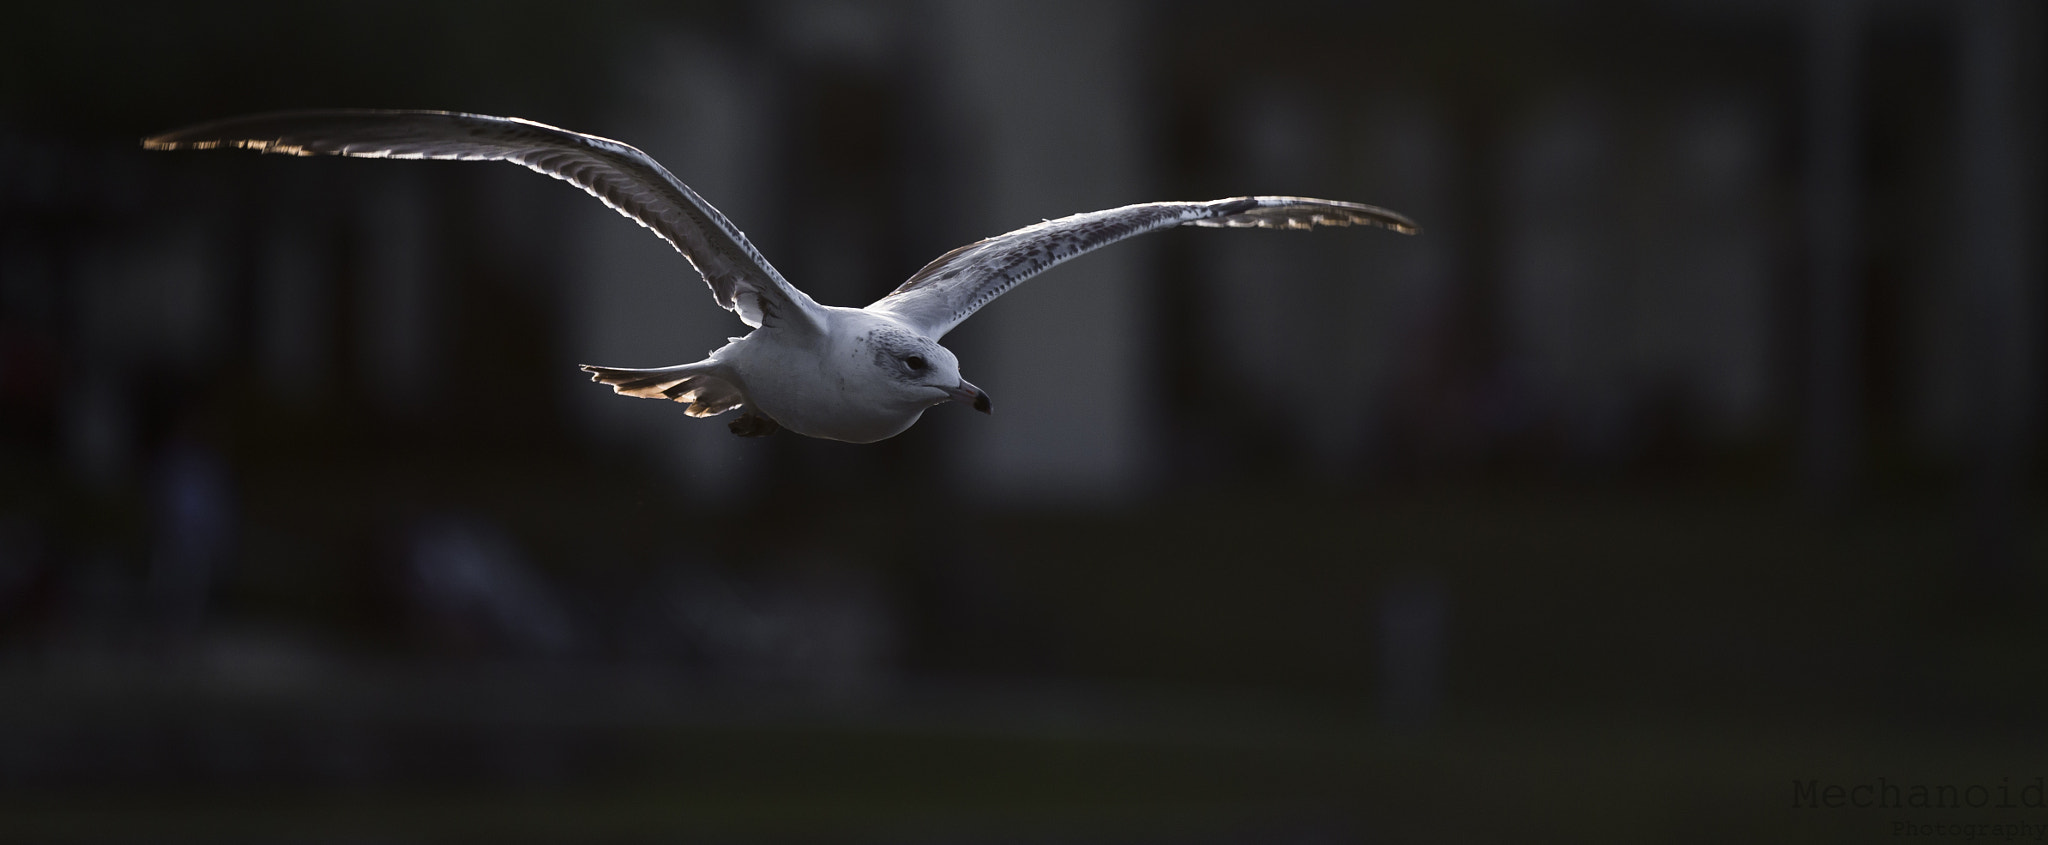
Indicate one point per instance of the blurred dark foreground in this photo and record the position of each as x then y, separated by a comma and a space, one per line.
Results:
1575, 664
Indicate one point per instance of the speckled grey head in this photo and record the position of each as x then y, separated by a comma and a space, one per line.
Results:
923, 372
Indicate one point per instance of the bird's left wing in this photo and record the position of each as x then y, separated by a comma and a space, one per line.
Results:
625, 178
957, 284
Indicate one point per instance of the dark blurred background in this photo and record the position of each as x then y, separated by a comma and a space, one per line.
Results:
1693, 450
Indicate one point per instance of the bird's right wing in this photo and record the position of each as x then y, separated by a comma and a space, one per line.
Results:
625, 178
957, 284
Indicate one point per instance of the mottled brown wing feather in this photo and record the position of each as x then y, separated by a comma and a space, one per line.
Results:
955, 285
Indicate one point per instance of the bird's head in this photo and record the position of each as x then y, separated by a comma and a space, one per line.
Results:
920, 372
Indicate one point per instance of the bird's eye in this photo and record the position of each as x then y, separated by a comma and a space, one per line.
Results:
915, 363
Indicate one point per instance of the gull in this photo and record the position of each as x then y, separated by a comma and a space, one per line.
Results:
852, 374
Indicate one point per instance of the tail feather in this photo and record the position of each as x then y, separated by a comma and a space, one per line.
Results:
706, 393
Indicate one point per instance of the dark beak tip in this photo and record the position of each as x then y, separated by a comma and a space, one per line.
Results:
981, 404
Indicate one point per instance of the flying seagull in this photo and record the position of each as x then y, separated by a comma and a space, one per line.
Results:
852, 374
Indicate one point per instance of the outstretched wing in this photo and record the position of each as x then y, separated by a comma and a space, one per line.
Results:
960, 282
625, 178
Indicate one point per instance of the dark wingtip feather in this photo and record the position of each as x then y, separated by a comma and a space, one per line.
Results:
1300, 213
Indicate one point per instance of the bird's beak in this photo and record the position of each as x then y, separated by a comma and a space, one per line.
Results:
971, 395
